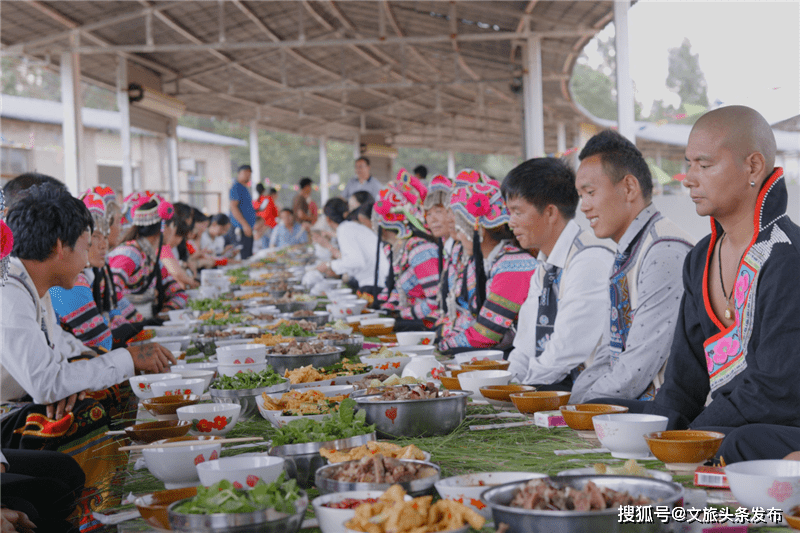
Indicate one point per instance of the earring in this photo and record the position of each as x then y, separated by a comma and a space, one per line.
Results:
752, 183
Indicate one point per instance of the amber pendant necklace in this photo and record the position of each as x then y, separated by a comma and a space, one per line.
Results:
728, 310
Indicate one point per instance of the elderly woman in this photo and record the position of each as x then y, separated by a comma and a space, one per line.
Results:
502, 271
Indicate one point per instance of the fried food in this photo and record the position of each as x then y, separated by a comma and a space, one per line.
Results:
630, 468
268, 339
299, 403
387, 449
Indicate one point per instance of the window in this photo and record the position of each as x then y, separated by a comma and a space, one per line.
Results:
197, 185
15, 161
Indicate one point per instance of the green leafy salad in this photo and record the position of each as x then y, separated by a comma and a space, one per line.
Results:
233, 319
293, 330
249, 380
222, 497
207, 304
342, 425
199, 353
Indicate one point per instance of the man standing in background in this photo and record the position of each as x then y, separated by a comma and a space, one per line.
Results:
243, 216
300, 204
363, 181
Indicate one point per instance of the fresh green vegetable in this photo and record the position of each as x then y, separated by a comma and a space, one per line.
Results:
207, 304
222, 497
232, 319
192, 350
347, 423
249, 380
340, 367
293, 330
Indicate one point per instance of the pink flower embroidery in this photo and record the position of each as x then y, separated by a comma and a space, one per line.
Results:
710, 363
780, 490
742, 284
479, 205
601, 433
725, 350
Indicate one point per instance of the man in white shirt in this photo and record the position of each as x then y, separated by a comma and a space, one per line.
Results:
52, 232
562, 320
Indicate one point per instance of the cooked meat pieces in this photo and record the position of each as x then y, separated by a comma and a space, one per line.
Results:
302, 313
300, 348
541, 495
333, 336
364, 383
380, 469
409, 392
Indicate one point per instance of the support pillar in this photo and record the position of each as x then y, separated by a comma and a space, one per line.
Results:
172, 160
561, 135
125, 125
324, 186
451, 164
625, 102
72, 126
533, 105
255, 158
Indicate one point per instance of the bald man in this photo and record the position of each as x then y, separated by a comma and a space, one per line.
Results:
738, 333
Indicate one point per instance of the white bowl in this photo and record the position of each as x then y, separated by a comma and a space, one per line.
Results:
623, 433
172, 346
473, 381
169, 331
423, 367
344, 309
332, 520
190, 373
467, 489
389, 365
211, 365
389, 322
178, 386
416, 337
243, 471
241, 352
479, 355
334, 293
141, 384
181, 315
232, 370
361, 317
207, 417
414, 349
765, 483
176, 467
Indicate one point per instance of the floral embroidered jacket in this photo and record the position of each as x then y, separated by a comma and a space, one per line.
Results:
507, 284
416, 280
130, 268
752, 368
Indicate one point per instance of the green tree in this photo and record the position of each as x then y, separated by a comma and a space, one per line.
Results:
686, 78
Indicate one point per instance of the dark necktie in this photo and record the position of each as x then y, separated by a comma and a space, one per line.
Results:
620, 305
548, 306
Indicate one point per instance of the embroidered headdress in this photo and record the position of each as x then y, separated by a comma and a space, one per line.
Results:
97, 208
399, 206
477, 202
107, 194
134, 214
438, 192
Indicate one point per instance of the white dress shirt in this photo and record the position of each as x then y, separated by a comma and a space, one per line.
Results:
358, 245
583, 307
31, 365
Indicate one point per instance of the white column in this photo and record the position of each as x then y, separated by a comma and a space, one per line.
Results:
561, 137
625, 106
125, 125
72, 126
324, 185
534, 106
451, 164
172, 160
255, 158
658, 157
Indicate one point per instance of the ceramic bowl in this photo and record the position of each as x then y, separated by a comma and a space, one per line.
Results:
188, 373
450, 382
373, 327
176, 467
141, 384
210, 418
473, 381
238, 354
485, 365
243, 471
579, 416
684, 446
148, 432
424, 338
211, 365
165, 407
624, 433
178, 386
793, 520
153, 507
765, 483
478, 355
423, 367
389, 365
232, 370
331, 520
414, 349
181, 315
535, 401
502, 393
467, 489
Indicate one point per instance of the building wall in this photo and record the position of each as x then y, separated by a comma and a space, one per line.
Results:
102, 147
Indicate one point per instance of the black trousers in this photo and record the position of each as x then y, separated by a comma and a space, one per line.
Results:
240, 240
42, 484
758, 441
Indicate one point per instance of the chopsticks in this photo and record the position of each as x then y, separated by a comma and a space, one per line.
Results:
182, 443
121, 432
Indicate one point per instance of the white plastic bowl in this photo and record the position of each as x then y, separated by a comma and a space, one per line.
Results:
176, 467
478, 355
178, 386
141, 384
623, 433
206, 420
388, 365
414, 349
211, 365
467, 489
377, 322
232, 370
236, 354
243, 471
415, 337
765, 483
181, 315
190, 373
332, 520
473, 381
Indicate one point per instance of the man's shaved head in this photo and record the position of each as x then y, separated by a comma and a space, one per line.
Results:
744, 131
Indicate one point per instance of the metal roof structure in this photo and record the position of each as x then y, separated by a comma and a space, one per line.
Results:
421, 73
